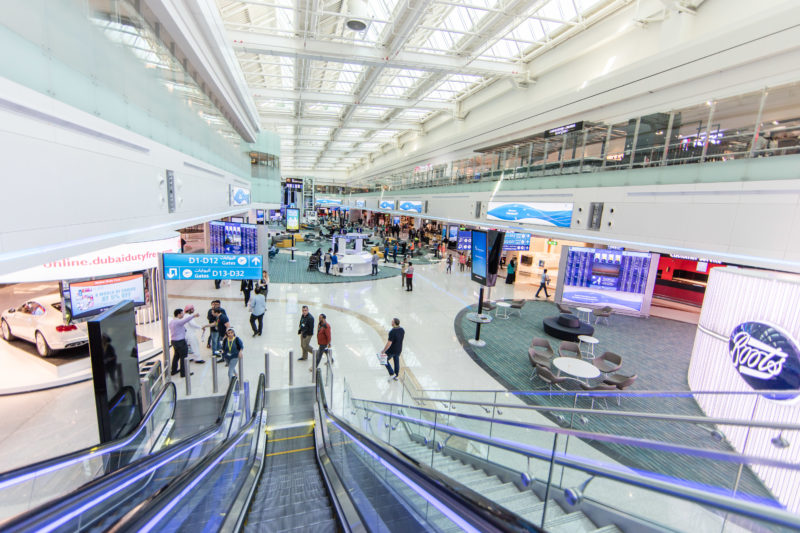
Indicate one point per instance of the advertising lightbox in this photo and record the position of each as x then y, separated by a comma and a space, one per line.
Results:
240, 195
89, 298
292, 220
543, 214
480, 257
606, 277
408, 205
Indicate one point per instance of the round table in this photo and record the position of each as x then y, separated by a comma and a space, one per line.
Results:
478, 319
584, 310
506, 306
590, 341
576, 367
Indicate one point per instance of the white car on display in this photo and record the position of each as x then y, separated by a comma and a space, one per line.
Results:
41, 322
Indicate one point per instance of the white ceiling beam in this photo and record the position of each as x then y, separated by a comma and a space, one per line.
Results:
256, 43
311, 96
397, 125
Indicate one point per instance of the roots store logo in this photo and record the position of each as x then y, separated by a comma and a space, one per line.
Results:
767, 358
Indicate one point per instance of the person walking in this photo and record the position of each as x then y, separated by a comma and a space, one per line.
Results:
263, 285
177, 338
245, 288
410, 277
213, 335
257, 307
334, 262
306, 330
393, 349
191, 336
394, 253
327, 261
449, 263
543, 284
232, 350
323, 339
221, 326
462, 261
374, 263
386, 252
511, 272
403, 270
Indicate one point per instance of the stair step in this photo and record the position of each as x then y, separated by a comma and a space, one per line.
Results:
534, 513
470, 477
504, 490
610, 528
569, 523
487, 483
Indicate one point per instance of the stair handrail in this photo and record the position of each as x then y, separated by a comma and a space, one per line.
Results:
726, 503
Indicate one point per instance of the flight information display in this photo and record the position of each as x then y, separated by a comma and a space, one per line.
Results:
516, 242
606, 277
233, 238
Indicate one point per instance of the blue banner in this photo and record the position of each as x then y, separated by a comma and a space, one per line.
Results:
386, 204
212, 266
544, 214
407, 205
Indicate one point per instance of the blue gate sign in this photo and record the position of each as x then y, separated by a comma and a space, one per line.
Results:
212, 266
767, 358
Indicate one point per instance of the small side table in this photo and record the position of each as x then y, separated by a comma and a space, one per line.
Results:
505, 306
590, 342
478, 319
584, 311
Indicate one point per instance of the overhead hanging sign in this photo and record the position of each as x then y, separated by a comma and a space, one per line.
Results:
561, 130
212, 266
130, 257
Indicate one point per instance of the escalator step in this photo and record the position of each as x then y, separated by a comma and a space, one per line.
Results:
296, 507
611, 528
319, 527
569, 523
304, 520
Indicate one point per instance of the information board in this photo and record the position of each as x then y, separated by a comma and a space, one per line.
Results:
464, 240
233, 238
606, 277
516, 242
212, 266
480, 257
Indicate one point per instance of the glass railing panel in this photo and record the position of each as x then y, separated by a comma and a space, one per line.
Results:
29, 487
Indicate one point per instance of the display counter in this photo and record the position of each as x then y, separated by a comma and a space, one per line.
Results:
352, 264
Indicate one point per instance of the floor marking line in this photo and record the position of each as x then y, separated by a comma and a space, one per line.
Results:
290, 451
290, 438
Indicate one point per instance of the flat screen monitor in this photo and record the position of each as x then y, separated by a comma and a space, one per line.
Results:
292, 219
239, 220
606, 277
452, 233
84, 299
464, 240
396, 220
259, 216
526, 260
115, 371
480, 256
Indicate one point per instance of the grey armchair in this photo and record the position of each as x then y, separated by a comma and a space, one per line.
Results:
597, 388
608, 362
620, 381
518, 305
569, 349
542, 347
564, 309
537, 362
548, 377
604, 312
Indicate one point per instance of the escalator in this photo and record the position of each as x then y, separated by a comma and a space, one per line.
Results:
305, 469
92, 489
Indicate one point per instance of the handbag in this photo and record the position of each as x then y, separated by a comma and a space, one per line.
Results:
382, 358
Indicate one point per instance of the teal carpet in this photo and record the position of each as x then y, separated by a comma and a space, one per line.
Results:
281, 270
656, 349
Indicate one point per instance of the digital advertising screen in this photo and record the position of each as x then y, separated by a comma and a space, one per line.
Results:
444, 232
409, 205
239, 195
606, 277
464, 240
517, 242
386, 204
114, 355
238, 220
249, 239
480, 256
361, 203
452, 233
259, 216
275, 214
396, 220
543, 214
328, 202
84, 299
292, 219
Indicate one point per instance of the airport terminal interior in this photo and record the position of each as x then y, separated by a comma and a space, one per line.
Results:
400, 265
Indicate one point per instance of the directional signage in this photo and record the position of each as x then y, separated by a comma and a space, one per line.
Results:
212, 266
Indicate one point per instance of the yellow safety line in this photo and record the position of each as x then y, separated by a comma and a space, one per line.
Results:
290, 451
290, 438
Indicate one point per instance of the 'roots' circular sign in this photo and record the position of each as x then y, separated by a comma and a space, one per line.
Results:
767, 359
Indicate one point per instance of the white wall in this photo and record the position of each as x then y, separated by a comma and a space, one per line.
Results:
75, 183
618, 69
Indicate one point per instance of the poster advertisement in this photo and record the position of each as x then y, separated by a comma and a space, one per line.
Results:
292, 219
543, 214
89, 298
408, 205
480, 258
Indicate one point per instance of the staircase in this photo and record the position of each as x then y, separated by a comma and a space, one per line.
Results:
524, 503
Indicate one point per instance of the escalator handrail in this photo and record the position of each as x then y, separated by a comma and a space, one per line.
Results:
764, 512
475, 508
33, 470
705, 453
82, 498
151, 510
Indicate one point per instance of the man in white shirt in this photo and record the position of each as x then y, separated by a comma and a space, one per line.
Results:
192, 329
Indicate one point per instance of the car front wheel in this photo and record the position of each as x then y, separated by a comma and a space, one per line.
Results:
41, 345
6, 331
